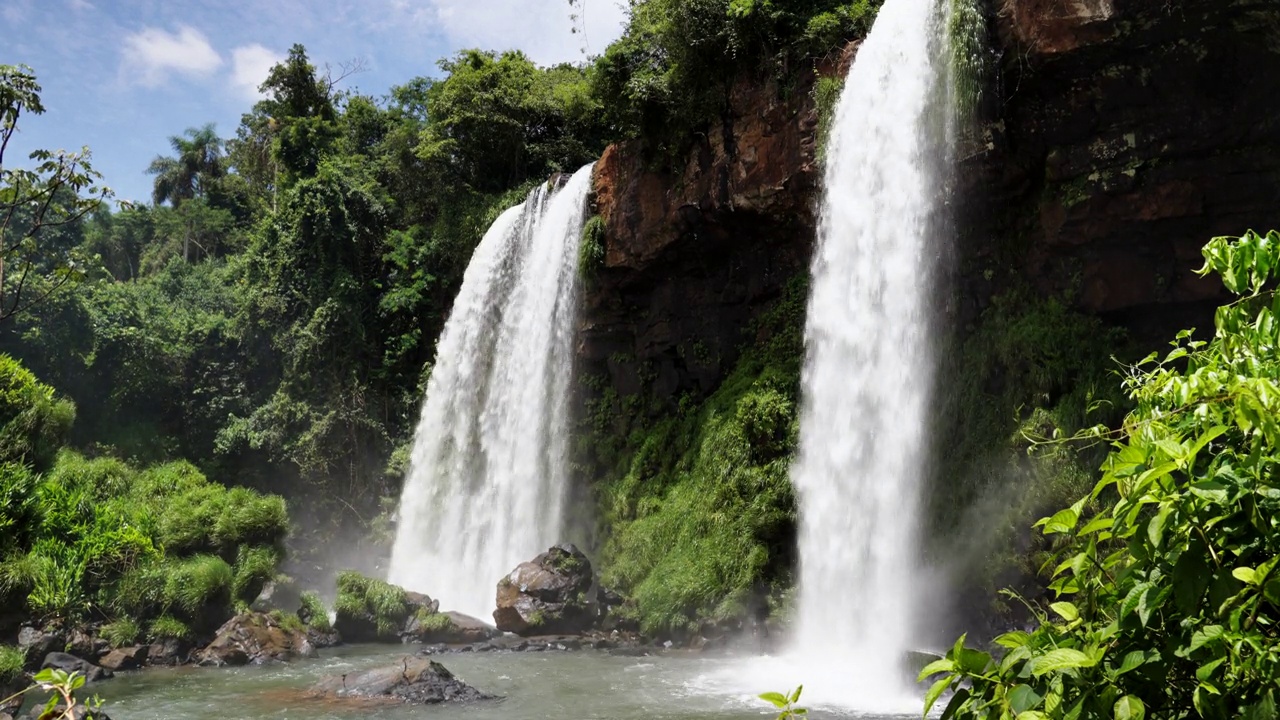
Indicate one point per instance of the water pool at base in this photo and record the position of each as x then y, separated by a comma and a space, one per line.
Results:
584, 685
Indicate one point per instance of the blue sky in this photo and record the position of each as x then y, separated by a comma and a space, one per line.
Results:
121, 76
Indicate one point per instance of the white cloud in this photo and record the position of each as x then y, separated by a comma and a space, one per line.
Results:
249, 67
151, 54
543, 29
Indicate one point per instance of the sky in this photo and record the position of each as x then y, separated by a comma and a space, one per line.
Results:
122, 76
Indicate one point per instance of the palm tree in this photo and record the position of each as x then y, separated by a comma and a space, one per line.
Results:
187, 176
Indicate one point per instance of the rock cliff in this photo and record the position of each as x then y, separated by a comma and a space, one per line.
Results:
1116, 137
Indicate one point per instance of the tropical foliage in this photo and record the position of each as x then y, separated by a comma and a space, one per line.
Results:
1168, 597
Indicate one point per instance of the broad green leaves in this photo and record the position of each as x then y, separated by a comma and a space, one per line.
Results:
1168, 594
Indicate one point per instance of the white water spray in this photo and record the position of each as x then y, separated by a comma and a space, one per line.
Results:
869, 367
487, 481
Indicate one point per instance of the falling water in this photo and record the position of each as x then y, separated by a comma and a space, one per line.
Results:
868, 366
487, 479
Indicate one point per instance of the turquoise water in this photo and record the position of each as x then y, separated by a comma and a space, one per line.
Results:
584, 685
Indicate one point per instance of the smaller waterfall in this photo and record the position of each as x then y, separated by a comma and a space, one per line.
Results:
487, 481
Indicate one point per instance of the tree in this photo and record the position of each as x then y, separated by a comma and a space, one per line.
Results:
1168, 573
190, 175
34, 202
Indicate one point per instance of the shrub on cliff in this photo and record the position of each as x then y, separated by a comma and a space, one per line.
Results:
1167, 573
700, 511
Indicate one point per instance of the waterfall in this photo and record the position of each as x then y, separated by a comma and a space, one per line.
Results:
868, 367
487, 482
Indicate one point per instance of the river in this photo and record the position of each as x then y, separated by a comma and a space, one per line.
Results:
583, 685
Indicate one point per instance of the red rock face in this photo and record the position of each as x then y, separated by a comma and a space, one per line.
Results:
694, 251
1055, 26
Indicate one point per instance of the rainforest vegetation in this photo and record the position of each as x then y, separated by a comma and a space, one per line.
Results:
195, 388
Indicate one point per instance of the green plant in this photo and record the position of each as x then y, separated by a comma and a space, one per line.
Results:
314, 613
62, 703
591, 249
289, 621
12, 660
384, 605
786, 704
433, 622
700, 510
121, 632
199, 583
1168, 593
166, 627
254, 568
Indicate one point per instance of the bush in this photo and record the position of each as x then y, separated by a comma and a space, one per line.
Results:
364, 599
314, 613
1165, 574
591, 251
121, 632
254, 568
12, 661
33, 423
199, 584
18, 508
167, 627
433, 622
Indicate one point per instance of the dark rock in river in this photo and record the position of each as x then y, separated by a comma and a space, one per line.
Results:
72, 664
550, 594
414, 681
36, 643
168, 651
125, 658
257, 639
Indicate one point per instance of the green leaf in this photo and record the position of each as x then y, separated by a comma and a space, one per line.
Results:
1013, 639
937, 666
1204, 673
1067, 610
1155, 528
778, 699
1205, 635
1130, 708
1032, 715
1131, 660
795, 695
1244, 575
935, 692
1022, 698
1060, 659
1063, 521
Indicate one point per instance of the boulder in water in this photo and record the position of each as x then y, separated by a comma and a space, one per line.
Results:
257, 639
84, 644
447, 627
550, 594
413, 681
125, 658
71, 664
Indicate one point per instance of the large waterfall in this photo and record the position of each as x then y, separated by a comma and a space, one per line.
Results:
868, 366
487, 482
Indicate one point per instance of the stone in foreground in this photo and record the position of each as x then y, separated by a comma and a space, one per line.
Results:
548, 595
412, 681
